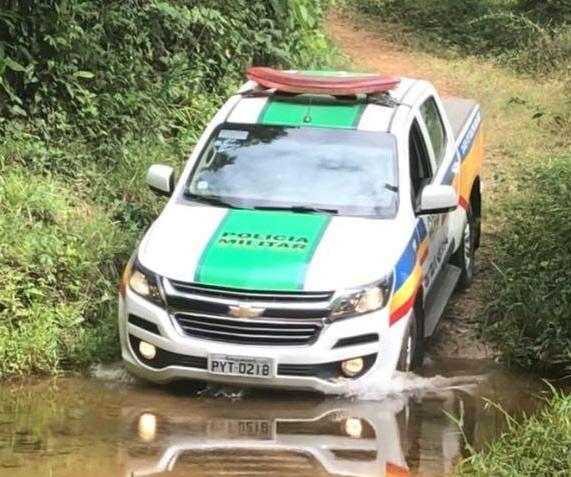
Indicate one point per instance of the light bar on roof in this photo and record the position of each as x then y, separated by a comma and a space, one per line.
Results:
290, 82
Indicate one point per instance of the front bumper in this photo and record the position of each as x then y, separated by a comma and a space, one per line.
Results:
298, 367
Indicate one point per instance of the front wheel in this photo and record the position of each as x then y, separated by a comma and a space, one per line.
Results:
464, 257
412, 353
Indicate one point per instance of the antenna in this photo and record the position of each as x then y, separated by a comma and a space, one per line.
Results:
307, 117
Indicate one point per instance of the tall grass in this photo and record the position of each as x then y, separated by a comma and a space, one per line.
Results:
530, 296
540, 445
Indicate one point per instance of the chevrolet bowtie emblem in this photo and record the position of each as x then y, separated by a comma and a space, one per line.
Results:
245, 311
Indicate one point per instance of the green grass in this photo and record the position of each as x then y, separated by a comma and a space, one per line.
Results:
64, 240
538, 446
530, 294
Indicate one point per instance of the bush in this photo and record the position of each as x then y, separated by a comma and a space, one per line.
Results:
541, 445
531, 293
91, 94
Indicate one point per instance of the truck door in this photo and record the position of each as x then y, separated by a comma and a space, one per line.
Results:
435, 226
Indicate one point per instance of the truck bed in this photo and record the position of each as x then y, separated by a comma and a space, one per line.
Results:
458, 111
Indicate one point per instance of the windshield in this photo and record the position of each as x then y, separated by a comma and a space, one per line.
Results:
348, 172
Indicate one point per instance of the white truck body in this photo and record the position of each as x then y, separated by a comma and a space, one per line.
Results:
247, 296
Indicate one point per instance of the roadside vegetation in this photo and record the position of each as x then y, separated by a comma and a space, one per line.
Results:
91, 93
540, 445
529, 291
526, 96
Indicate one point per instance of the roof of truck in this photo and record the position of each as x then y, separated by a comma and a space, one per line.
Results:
364, 111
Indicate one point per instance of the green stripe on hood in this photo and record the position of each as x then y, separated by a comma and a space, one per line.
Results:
283, 113
261, 250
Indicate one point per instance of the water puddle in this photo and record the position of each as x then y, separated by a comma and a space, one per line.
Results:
114, 426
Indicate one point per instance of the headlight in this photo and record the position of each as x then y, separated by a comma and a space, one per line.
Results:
142, 281
363, 300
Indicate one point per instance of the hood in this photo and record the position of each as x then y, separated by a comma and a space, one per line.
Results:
269, 250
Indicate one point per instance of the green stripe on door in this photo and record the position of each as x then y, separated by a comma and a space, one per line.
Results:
282, 113
261, 250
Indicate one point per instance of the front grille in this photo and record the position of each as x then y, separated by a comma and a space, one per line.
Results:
247, 331
206, 292
192, 305
248, 462
285, 318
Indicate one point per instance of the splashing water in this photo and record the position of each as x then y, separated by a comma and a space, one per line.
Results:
369, 388
228, 392
372, 388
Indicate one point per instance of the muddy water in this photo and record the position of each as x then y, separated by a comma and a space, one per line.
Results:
105, 427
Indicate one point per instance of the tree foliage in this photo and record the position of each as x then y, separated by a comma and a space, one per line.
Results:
114, 65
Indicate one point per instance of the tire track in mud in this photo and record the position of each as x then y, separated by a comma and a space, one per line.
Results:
457, 335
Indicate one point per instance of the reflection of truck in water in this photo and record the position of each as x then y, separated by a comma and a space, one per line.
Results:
73, 427
314, 237
350, 438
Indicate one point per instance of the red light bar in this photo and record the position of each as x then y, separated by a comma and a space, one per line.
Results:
332, 85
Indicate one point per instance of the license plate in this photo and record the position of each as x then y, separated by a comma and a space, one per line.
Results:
240, 428
241, 366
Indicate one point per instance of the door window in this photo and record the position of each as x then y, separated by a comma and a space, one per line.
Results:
420, 168
433, 121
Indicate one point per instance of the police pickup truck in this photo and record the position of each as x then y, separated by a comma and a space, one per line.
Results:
314, 237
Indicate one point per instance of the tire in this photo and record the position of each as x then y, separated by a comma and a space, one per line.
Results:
412, 352
465, 257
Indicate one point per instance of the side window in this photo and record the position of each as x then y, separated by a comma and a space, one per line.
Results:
431, 117
420, 168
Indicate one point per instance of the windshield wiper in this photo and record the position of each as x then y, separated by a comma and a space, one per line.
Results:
301, 209
211, 200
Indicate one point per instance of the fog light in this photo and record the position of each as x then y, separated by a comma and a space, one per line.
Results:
353, 427
147, 427
147, 350
352, 367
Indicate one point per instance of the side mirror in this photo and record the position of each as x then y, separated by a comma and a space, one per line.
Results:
161, 179
437, 199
